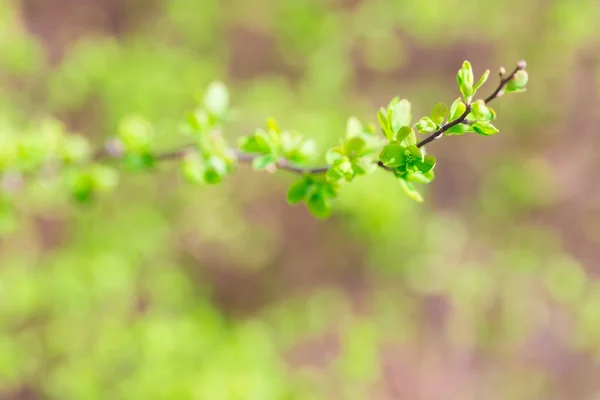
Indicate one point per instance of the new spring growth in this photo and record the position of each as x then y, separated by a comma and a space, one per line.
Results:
392, 144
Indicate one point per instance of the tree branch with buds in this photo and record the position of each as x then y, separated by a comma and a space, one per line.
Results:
210, 159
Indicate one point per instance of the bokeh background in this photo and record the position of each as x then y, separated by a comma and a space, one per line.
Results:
487, 290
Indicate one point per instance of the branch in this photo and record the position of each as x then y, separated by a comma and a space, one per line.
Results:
113, 151
495, 94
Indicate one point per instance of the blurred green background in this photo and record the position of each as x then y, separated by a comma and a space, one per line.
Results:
487, 290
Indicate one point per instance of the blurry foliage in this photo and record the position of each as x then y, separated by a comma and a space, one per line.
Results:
98, 300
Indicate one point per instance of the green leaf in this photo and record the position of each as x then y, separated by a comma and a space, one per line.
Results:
419, 177
427, 164
135, 133
298, 191
263, 162
216, 169
393, 155
81, 184
467, 73
457, 109
319, 204
385, 124
482, 80
364, 165
199, 121
295, 148
485, 128
216, 99
334, 154
465, 81
439, 112
403, 133
426, 125
410, 190
354, 145
480, 111
410, 139
459, 129
335, 175
272, 126
401, 114
353, 127
259, 142
192, 169
138, 162
306, 150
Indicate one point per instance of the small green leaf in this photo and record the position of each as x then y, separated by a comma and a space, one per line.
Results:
298, 191
136, 133
401, 114
319, 204
81, 184
385, 124
364, 166
216, 99
410, 139
354, 145
467, 73
393, 155
259, 142
334, 154
426, 125
459, 129
192, 169
419, 177
334, 174
410, 190
485, 128
480, 111
272, 126
482, 80
138, 162
457, 109
403, 133
438, 114
427, 164
216, 169
199, 121
465, 81
306, 150
353, 127
263, 162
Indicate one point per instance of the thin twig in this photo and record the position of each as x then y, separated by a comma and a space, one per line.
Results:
110, 152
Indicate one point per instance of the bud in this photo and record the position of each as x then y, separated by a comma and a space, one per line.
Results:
522, 64
426, 125
518, 81
502, 72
